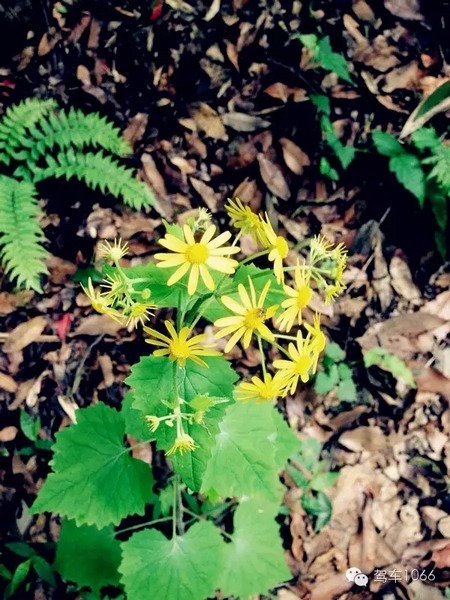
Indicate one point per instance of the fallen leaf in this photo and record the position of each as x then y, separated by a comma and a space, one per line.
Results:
294, 157
208, 121
206, 192
136, 127
25, 334
8, 433
244, 122
405, 9
96, 325
7, 383
273, 177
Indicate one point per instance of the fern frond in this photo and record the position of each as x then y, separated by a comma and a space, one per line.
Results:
16, 122
21, 236
73, 129
441, 167
98, 171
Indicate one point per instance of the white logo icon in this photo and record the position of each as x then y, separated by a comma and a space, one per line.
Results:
356, 576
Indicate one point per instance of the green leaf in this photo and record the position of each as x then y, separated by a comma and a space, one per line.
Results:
29, 427
323, 481
191, 466
217, 380
151, 380
285, 441
95, 481
436, 102
183, 568
21, 549
387, 144
88, 556
309, 40
323, 383
318, 506
20, 574
164, 502
389, 362
254, 560
321, 102
347, 391
135, 424
327, 170
409, 172
332, 61
334, 351
310, 454
299, 478
259, 277
243, 459
345, 371
345, 154
425, 138
5, 573
44, 570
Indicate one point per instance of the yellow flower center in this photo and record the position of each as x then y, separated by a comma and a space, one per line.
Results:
254, 317
303, 364
138, 310
281, 247
179, 349
197, 254
268, 392
304, 295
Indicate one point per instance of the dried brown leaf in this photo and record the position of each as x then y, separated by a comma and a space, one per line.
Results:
96, 325
206, 192
294, 157
244, 122
7, 383
8, 433
273, 177
25, 334
208, 121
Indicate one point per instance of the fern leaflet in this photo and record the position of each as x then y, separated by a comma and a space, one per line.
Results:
21, 236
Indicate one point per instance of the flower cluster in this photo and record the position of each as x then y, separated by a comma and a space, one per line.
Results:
120, 300
266, 307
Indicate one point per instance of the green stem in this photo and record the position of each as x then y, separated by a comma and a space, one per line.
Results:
174, 509
285, 337
146, 524
263, 358
256, 255
281, 349
181, 509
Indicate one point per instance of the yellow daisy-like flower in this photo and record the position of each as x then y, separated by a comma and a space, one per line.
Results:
196, 257
249, 317
279, 248
318, 339
178, 347
302, 358
139, 313
113, 252
183, 443
100, 303
299, 298
261, 391
243, 218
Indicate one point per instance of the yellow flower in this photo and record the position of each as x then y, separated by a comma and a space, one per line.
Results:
299, 298
100, 302
249, 317
318, 339
178, 347
183, 443
113, 252
302, 357
279, 248
197, 257
243, 218
139, 313
261, 391
153, 422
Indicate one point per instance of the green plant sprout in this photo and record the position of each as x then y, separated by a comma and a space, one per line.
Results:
336, 372
313, 477
39, 141
223, 439
423, 168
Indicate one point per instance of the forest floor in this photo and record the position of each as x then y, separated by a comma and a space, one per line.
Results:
216, 101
